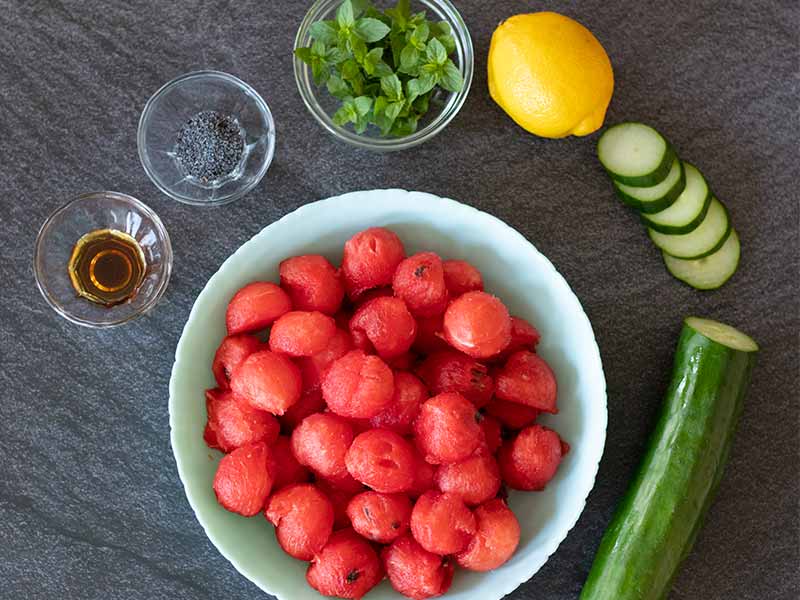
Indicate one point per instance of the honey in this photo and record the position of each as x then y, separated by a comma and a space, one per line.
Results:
107, 267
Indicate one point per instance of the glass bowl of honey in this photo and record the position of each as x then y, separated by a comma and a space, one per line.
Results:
102, 259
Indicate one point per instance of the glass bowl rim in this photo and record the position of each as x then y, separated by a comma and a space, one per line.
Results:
162, 285
440, 121
213, 74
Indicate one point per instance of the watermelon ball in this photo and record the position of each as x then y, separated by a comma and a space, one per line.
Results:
430, 336
357, 385
387, 324
524, 336
424, 476
531, 459
419, 280
370, 260
382, 460
242, 481
446, 429
303, 519
461, 277
301, 333
476, 479
477, 324
267, 381
312, 367
492, 433
312, 283
409, 394
451, 371
380, 517
236, 424
442, 523
415, 572
230, 354
255, 307
340, 492
512, 415
310, 402
347, 567
320, 443
283, 466
496, 540
527, 379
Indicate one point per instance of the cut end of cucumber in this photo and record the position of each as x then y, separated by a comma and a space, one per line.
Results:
723, 334
635, 154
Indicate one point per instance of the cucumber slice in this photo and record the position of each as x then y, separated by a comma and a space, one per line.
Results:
710, 272
635, 154
657, 521
706, 239
658, 197
688, 210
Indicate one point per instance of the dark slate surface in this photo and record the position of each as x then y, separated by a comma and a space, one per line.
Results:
90, 502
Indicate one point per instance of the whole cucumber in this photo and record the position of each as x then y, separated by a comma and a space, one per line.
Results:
657, 522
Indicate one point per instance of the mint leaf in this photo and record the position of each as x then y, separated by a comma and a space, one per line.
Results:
334, 56
362, 105
409, 58
338, 87
449, 43
324, 31
404, 126
370, 30
417, 18
435, 52
419, 36
400, 14
392, 87
344, 15
451, 79
380, 105
421, 104
318, 49
350, 69
441, 28
346, 113
358, 47
304, 54
393, 110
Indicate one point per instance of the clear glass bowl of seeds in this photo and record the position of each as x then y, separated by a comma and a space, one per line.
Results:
102, 259
206, 138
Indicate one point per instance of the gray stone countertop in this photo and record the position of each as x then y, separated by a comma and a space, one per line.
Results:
90, 501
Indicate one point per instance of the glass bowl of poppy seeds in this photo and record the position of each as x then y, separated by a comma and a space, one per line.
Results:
206, 138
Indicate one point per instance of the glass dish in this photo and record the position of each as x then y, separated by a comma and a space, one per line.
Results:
444, 105
86, 213
171, 107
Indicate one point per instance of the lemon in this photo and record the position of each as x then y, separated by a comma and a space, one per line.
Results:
550, 74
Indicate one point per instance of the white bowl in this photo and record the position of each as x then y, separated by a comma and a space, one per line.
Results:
512, 268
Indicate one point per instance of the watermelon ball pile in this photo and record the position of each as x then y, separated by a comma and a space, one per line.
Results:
377, 412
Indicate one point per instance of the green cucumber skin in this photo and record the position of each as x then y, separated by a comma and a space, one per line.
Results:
656, 523
657, 205
716, 246
654, 177
680, 229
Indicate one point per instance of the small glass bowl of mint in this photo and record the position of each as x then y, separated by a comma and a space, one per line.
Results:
206, 138
383, 75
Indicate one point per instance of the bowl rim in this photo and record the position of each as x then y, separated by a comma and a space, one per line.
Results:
436, 126
264, 109
296, 217
163, 283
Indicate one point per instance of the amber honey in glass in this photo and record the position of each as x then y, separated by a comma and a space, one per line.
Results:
107, 267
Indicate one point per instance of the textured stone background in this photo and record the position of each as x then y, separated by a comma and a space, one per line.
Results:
90, 502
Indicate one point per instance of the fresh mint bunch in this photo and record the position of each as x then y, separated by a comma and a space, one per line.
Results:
384, 66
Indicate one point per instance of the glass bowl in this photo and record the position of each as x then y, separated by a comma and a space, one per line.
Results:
86, 213
171, 107
443, 107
